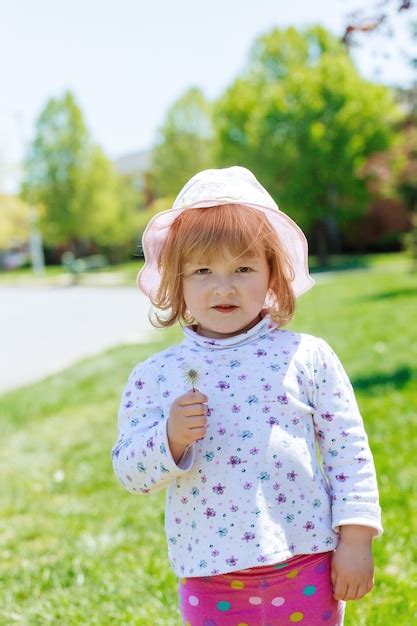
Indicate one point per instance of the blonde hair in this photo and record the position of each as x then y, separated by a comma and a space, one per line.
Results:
205, 234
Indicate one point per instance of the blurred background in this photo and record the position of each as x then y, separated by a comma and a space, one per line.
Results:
107, 108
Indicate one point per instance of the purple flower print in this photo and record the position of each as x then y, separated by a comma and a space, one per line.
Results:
260, 352
215, 553
243, 376
166, 394
139, 384
184, 500
234, 508
178, 520
321, 435
128, 404
247, 486
254, 451
272, 420
235, 408
222, 385
210, 513
278, 464
341, 477
219, 488
295, 421
266, 387
299, 380
281, 498
235, 460
209, 411
248, 536
276, 486
283, 399
232, 561
150, 443
221, 430
361, 459
308, 526
291, 475
266, 409
328, 416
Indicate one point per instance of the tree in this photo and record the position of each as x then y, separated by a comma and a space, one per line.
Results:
304, 120
184, 145
379, 17
73, 182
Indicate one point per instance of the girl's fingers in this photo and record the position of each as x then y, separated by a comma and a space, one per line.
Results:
195, 409
340, 591
352, 592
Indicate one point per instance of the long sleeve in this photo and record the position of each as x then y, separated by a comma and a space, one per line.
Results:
343, 442
141, 457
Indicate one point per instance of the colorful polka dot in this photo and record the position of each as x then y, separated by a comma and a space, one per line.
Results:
237, 584
320, 568
293, 573
326, 615
278, 601
193, 600
296, 617
187, 623
223, 605
309, 590
255, 600
281, 565
243, 624
209, 622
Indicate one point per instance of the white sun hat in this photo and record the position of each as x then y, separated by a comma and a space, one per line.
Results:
214, 187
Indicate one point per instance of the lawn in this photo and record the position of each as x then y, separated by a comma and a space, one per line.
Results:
76, 549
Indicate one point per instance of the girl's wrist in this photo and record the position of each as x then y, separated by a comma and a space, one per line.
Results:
357, 533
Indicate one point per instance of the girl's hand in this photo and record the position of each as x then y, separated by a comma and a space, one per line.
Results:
352, 569
187, 421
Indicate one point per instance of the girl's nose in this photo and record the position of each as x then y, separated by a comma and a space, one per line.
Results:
224, 287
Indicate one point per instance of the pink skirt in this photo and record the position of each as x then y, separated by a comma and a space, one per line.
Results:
296, 591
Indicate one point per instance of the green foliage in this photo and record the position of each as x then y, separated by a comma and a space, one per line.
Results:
76, 548
14, 221
304, 121
79, 192
185, 143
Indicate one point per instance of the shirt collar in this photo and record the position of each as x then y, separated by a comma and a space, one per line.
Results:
262, 328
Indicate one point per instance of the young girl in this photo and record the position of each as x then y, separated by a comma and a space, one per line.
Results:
272, 499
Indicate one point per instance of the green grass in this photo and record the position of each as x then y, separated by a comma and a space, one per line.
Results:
77, 549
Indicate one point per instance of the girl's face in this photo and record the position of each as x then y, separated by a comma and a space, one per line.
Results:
241, 283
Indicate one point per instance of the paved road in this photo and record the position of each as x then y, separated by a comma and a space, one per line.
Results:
43, 330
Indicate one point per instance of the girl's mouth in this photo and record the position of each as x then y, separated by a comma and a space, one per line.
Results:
225, 309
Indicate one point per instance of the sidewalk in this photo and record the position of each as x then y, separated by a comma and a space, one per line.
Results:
45, 329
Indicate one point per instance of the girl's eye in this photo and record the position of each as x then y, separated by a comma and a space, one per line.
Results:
202, 270
245, 270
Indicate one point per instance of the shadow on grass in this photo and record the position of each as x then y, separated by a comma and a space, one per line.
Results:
397, 379
391, 293
340, 263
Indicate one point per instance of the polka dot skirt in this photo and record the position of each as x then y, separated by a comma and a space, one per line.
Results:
296, 591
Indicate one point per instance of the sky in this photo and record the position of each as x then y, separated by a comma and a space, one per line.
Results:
127, 61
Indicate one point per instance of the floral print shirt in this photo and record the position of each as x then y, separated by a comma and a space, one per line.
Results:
285, 460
